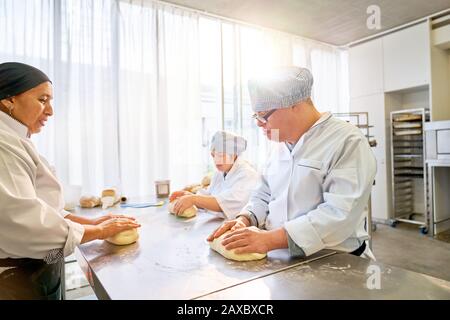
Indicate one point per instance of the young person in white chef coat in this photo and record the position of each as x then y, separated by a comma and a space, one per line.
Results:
35, 232
317, 183
230, 186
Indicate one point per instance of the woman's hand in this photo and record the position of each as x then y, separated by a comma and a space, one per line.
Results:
175, 195
113, 226
238, 223
101, 219
183, 203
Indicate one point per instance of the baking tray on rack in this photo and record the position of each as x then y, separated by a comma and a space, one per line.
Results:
410, 151
414, 151
410, 175
405, 191
408, 117
406, 125
403, 211
407, 156
404, 197
403, 184
403, 164
408, 132
413, 162
406, 206
402, 159
409, 171
408, 144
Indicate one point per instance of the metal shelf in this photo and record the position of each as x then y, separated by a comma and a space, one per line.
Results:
407, 154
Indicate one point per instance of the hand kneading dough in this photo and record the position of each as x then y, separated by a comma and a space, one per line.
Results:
216, 245
124, 237
188, 213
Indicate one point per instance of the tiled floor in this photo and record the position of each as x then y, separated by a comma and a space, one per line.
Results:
84, 293
444, 236
77, 286
403, 246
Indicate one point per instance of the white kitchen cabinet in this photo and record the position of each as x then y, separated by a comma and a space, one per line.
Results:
406, 58
366, 68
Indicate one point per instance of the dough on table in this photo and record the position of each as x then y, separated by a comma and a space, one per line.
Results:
216, 245
124, 237
89, 201
188, 213
192, 187
206, 181
196, 189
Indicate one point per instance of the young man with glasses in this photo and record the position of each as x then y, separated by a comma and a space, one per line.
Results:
317, 183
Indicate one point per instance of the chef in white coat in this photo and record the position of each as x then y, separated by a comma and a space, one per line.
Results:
317, 182
35, 231
231, 185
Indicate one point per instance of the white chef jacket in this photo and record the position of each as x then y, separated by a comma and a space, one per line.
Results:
232, 192
32, 223
318, 191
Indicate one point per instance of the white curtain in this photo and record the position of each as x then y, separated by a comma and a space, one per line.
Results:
140, 86
27, 35
159, 86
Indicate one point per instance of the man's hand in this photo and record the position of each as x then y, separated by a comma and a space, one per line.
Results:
183, 203
252, 239
175, 195
239, 223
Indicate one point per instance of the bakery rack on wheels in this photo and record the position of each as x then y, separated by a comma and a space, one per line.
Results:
408, 169
361, 120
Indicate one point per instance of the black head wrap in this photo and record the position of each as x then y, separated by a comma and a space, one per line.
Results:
16, 78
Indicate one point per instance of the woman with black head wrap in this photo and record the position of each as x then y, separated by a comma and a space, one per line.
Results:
35, 231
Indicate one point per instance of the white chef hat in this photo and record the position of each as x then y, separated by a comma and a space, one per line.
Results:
229, 143
281, 87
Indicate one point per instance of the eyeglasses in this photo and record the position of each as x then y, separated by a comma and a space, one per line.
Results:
265, 117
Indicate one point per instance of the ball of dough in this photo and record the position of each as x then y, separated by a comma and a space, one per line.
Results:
206, 181
191, 187
196, 189
216, 245
188, 213
124, 237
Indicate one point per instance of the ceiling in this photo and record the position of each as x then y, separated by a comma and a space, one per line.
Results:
336, 22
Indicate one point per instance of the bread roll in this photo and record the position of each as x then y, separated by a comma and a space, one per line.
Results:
196, 189
89, 201
206, 181
191, 187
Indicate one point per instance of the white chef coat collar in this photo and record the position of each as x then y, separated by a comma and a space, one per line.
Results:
324, 117
14, 125
234, 167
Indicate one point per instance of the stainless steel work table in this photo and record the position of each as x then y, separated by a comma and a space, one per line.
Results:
171, 259
340, 276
